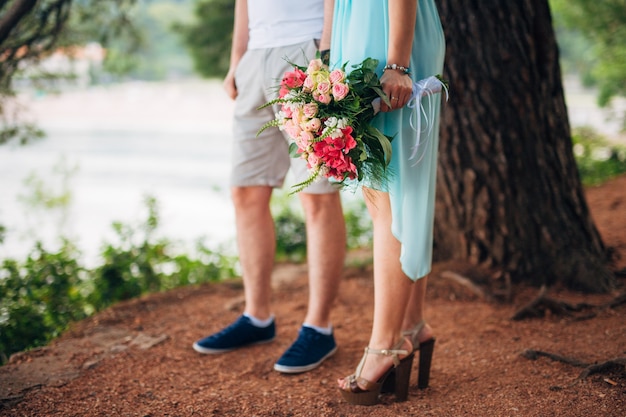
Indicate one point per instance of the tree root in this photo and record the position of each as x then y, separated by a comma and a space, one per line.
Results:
535, 354
618, 364
467, 283
542, 304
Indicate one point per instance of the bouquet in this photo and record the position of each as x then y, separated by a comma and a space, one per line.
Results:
327, 114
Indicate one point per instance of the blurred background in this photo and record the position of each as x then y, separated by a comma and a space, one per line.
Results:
115, 149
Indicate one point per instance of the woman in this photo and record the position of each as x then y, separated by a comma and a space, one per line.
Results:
407, 39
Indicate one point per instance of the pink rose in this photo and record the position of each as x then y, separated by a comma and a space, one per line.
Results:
314, 65
313, 125
293, 79
336, 76
323, 87
310, 110
292, 129
312, 160
324, 98
309, 84
304, 139
340, 91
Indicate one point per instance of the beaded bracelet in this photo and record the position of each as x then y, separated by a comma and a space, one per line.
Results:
405, 70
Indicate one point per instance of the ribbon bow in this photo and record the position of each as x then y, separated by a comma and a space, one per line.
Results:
426, 87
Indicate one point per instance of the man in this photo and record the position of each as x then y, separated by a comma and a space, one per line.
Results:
267, 36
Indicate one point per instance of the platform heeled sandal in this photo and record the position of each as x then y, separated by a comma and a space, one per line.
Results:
400, 371
426, 353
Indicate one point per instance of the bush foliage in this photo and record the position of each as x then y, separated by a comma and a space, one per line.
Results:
597, 159
42, 295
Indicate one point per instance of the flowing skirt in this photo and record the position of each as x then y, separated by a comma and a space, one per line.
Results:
360, 30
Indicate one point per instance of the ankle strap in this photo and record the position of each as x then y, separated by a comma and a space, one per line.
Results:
415, 330
393, 352
388, 352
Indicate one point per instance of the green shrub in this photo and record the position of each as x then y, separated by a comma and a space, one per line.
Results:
291, 229
597, 159
41, 296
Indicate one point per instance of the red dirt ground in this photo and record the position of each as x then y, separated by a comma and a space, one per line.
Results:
135, 359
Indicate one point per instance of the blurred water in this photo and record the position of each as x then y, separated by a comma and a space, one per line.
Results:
167, 141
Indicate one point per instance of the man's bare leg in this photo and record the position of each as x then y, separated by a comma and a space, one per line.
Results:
256, 242
326, 250
257, 245
326, 246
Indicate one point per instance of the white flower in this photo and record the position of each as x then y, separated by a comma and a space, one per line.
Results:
290, 95
342, 123
280, 116
331, 122
336, 133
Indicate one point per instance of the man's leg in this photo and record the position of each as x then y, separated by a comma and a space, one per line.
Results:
326, 246
256, 242
257, 245
326, 250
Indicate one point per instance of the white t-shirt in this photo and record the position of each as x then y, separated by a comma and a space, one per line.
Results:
275, 23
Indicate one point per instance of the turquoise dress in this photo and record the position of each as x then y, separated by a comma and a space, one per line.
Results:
360, 30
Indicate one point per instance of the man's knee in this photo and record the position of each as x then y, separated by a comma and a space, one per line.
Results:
319, 205
248, 197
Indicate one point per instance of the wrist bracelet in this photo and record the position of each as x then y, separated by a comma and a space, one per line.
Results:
397, 67
325, 56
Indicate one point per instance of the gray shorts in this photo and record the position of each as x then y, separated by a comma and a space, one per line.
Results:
264, 159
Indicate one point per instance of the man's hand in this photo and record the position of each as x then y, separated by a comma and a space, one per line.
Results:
229, 84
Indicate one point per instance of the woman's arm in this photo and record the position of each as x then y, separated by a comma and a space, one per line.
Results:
402, 16
239, 45
396, 83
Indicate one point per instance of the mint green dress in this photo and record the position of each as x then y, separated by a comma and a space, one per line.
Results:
360, 30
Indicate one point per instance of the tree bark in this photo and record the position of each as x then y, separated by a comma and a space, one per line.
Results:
509, 194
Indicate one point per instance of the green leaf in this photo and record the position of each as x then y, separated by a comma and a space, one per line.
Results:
293, 150
384, 141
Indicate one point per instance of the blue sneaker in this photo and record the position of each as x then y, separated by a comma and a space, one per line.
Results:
239, 334
308, 352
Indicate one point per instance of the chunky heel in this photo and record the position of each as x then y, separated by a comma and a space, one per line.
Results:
426, 356
423, 371
402, 378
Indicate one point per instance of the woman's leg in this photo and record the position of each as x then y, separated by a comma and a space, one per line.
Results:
392, 288
414, 314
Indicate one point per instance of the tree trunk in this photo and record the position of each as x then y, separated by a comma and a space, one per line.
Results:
509, 195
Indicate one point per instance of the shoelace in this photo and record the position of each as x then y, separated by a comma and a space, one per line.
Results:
304, 340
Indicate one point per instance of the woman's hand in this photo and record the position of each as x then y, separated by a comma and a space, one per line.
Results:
398, 86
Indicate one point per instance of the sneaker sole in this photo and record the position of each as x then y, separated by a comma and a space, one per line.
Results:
209, 351
299, 369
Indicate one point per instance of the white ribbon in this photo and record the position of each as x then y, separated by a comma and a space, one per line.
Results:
422, 88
